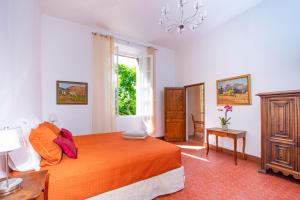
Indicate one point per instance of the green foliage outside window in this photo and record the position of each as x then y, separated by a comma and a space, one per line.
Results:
127, 90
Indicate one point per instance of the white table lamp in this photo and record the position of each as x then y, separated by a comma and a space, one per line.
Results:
9, 141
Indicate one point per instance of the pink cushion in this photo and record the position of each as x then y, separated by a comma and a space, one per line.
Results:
67, 146
66, 134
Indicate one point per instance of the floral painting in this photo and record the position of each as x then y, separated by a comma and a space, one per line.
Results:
71, 92
234, 91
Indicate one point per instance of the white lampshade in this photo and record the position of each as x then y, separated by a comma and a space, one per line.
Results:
9, 140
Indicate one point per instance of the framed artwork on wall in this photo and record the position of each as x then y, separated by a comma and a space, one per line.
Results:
72, 93
234, 91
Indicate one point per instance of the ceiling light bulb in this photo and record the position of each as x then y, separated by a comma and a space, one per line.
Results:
180, 28
196, 6
200, 3
160, 21
204, 13
181, 3
193, 27
169, 29
167, 8
164, 10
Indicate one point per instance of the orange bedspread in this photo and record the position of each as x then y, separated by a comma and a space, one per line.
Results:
106, 162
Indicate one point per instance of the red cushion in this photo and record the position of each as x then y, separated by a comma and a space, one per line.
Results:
66, 134
67, 146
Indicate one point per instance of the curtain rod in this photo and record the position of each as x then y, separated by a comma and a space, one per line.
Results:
128, 42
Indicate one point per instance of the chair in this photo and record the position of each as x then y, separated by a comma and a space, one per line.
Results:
198, 126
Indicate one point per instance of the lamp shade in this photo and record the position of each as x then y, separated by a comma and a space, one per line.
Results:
9, 140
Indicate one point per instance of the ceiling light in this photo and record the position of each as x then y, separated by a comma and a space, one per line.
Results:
193, 21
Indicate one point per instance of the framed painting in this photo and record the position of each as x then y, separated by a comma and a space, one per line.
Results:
68, 92
234, 91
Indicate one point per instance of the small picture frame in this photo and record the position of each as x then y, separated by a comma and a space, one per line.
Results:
71, 93
234, 91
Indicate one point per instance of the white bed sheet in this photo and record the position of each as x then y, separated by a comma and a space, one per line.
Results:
166, 183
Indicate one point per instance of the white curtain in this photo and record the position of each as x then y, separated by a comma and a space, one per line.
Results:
146, 90
103, 119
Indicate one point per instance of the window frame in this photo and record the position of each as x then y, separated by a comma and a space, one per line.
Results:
117, 55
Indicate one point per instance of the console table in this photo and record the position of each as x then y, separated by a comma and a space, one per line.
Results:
230, 133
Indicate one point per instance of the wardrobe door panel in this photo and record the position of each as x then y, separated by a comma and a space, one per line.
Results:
282, 155
282, 112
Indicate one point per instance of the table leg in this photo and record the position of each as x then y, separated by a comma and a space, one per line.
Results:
244, 146
207, 143
217, 143
235, 150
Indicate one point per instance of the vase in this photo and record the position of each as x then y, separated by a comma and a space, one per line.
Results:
225, 127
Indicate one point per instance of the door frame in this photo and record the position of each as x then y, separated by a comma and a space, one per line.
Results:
186, 107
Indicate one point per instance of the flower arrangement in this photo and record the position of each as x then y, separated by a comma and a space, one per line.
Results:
225, 120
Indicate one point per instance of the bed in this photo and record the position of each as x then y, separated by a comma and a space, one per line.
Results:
110, 167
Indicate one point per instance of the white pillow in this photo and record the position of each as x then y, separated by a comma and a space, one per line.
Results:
137, 133
25, 158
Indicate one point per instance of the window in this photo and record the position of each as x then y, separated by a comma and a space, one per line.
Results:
133, 81
126, 85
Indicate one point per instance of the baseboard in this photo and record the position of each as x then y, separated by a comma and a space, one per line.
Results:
239, 154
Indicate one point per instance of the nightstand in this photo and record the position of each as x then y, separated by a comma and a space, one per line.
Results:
33, 185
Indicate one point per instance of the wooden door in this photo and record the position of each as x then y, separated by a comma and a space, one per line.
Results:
175, 114
282, 132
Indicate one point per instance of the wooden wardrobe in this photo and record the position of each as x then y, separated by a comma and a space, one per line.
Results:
174, 114
280, 132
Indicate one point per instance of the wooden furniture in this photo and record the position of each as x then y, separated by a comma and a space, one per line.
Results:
175, 114
198, 125
280, 132
33, 185
230, 133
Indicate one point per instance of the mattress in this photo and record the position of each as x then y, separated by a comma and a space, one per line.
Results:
107, 162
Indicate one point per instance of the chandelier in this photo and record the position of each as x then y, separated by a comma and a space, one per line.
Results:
192, 22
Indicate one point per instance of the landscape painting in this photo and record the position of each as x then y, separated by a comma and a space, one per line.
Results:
71, 92
234, 91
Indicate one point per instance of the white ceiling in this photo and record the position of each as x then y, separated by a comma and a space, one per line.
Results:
138, 19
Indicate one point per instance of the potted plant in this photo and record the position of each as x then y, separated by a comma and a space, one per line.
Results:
225, 120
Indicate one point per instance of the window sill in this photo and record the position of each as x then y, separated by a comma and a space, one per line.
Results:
128, 116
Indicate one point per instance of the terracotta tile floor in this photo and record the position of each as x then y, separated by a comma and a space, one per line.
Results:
217, 178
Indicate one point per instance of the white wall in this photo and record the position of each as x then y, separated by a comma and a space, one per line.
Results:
165, 77
263, 42
67, 55
20, 83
